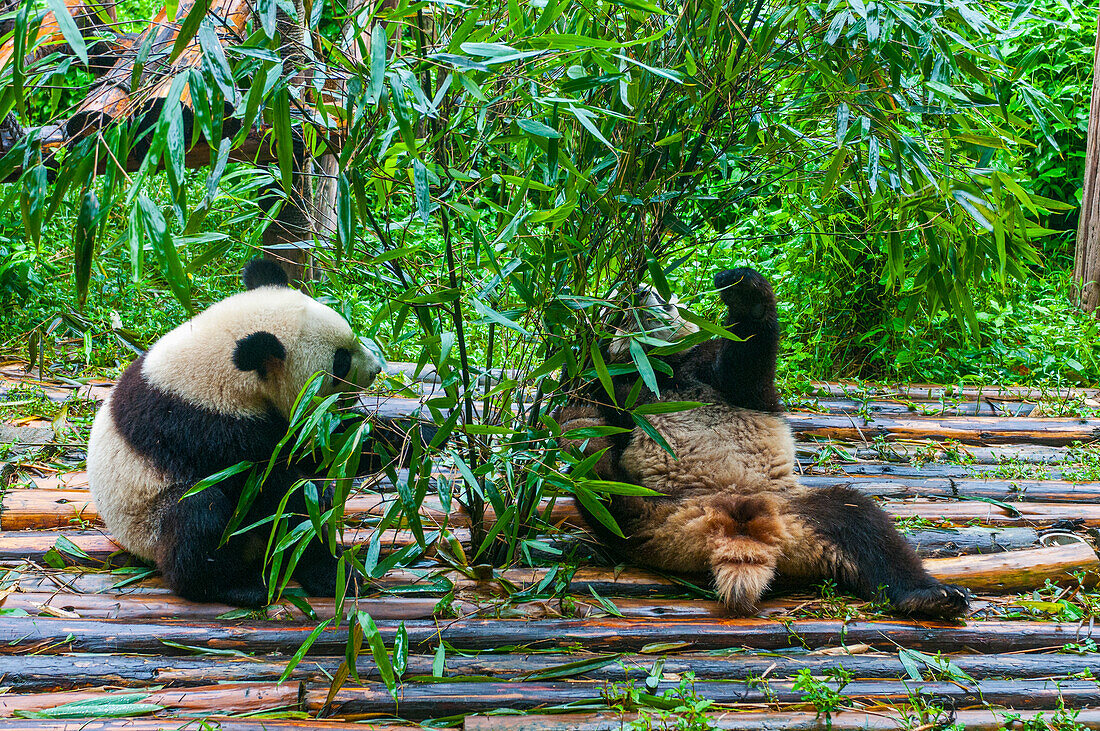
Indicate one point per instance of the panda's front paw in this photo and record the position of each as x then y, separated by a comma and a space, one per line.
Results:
939, 601
746, 293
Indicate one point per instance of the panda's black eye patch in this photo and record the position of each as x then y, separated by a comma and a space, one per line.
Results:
341, 363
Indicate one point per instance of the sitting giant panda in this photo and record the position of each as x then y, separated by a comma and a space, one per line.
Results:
213, 392
731, 504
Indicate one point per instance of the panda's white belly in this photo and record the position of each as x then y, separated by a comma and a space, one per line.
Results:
719, 449
125, 487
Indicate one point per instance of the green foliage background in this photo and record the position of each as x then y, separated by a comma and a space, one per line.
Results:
911, 202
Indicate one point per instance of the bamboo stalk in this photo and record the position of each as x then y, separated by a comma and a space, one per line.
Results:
98, 547
790, 721
982, 430
934, 392
991, 573
24, 673
206, 721
900, 452
225, 698
45, 509
141, 607
886, 406
1013, 571
892, 483
445, 699
903, 488
41, 635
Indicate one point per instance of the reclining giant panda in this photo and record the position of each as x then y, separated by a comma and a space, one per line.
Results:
731, 504
215, 391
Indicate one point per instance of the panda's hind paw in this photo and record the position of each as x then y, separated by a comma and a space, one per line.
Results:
941, 601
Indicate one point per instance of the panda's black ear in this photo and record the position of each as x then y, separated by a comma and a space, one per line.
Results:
261, 352
264, 273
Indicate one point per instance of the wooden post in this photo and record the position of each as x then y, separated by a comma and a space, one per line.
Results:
1086, 265
288, 238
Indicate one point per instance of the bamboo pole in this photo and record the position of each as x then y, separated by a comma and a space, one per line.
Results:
37, 673
981, 430
45, 509
204, 722
881, 481
219, 699
905, 488
934, 392
1005, 572
41, 635
884, 720
99, 547
446, 699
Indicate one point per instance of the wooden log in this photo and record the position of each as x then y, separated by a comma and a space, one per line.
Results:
140, 607
950, 542
220, 699
99, 547
895, 484
37, 673
899, 452
21, 635
887, 407
983, 430
207, 721
46, 509
1013, 571
934, 392
446, 699
905, 488
880, 720
991, 573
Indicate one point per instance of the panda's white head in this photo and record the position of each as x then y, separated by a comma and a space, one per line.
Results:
649, 313
257, 349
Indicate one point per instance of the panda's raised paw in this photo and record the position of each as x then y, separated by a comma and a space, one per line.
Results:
746, 293
940, 601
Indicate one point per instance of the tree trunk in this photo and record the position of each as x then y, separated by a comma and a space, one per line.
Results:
1086, 266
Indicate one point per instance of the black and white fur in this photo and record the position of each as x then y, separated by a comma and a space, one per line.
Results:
213, 392
730, 502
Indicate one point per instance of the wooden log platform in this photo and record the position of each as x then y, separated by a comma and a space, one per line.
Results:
994, 495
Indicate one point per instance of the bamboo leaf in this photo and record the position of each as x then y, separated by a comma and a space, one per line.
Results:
188, 29
68, 28
84, 244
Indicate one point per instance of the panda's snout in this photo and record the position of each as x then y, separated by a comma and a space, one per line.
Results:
366, 366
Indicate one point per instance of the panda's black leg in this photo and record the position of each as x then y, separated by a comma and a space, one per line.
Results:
194, 565
744, 371
317, 567
865, 554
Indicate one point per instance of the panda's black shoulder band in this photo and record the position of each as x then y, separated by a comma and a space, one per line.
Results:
264, 273
256, 352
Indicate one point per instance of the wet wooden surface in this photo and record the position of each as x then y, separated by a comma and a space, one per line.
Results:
994, 497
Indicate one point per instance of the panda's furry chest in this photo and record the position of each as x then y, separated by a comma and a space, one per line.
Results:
718, 448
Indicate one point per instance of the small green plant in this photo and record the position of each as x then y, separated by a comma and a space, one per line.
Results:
680, 708
824, 692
